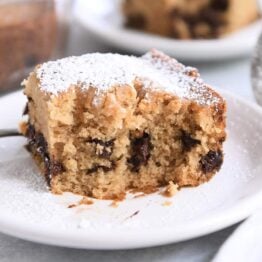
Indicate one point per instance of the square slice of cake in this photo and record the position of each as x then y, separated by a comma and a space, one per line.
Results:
101, 124
189, 19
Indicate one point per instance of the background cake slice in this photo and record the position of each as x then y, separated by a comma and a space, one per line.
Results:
100, 124
188, 19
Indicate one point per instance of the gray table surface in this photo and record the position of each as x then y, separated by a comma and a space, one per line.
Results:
230, 75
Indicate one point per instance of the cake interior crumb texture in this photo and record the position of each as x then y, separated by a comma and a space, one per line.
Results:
101, 124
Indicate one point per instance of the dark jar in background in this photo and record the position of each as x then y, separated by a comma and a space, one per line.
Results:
31, 32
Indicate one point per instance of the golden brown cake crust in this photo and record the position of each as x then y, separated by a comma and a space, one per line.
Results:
101, 141
186, 19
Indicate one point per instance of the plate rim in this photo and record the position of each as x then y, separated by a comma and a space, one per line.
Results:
129, 240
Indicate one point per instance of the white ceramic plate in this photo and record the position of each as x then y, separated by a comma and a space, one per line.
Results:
103, 18
29, 211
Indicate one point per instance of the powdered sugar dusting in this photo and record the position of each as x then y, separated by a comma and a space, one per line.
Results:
102, 71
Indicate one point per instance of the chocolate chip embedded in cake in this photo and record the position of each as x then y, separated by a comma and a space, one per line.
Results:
139, 151
188, 19
101, 124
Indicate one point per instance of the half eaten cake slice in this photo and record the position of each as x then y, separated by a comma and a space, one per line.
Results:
100, 124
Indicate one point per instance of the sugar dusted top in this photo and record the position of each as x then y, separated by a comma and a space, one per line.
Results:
154, 70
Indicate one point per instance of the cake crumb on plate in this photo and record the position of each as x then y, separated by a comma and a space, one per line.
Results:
170, 190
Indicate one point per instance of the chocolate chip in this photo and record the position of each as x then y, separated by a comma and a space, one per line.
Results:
175, 12
107, 147
36, 140
104, 168
210, 15
101, 142
41, 144
212, 18
30, 132
220, 5
56, 168
52, 168
140, 152
38, 144
158, 164
48, 174
136, 21
191, 19
105, 154
212, 161
28, 148
25, 111
188, 141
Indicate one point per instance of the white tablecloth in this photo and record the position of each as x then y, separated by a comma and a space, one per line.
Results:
229, 75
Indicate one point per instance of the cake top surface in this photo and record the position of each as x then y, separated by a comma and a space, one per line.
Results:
154, 70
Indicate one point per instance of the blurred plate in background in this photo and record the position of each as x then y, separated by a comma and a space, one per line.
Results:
103, 18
